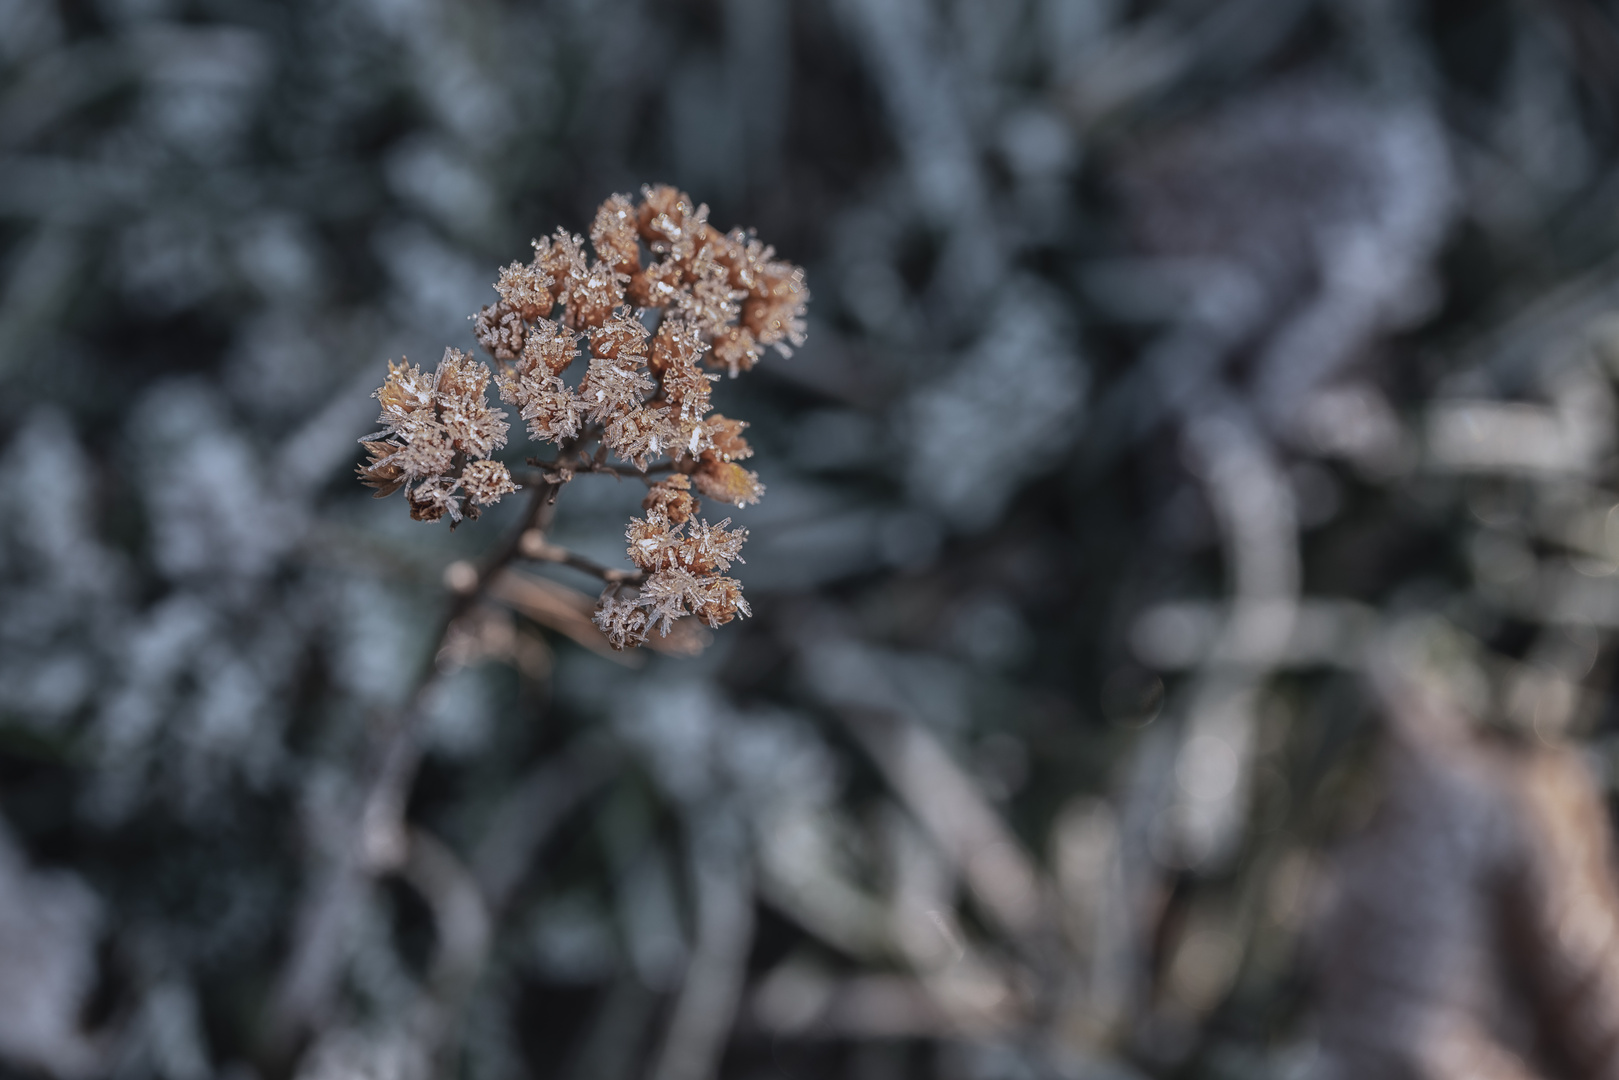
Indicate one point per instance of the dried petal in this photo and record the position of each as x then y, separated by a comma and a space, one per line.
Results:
382, 472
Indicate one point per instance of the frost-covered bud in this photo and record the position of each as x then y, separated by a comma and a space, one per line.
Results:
728, 482
614, 235
677, 343
428, 450
486, 481
666, 214
592, 300
658, 285
720, 601
499, 328
706, 548
708, 302
622, 619
526, 290
553, 411
622, 337
739, 254
671, 499
437, 435
474, 428
687, 389
648, 537
641, 434
734, 350
774, 310
563, 260
616, 383
725, 441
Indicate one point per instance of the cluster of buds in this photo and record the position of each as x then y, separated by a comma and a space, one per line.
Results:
716, 300
667, 302
437, 435
682, 561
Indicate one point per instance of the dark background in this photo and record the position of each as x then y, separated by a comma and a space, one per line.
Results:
1134, 324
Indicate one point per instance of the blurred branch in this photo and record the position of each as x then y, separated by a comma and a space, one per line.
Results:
707, 1004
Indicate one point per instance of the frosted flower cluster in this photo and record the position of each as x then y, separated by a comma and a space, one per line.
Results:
438, 432
717, 301
666, 303
684, 562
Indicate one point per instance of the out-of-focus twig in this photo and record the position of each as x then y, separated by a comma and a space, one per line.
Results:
707, 1004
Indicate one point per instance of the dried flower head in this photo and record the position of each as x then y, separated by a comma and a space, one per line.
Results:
667, 296
434, 431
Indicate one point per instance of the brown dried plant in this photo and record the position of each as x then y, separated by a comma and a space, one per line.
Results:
667, 301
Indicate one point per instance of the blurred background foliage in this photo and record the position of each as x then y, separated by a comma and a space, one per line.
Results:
1174, 366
